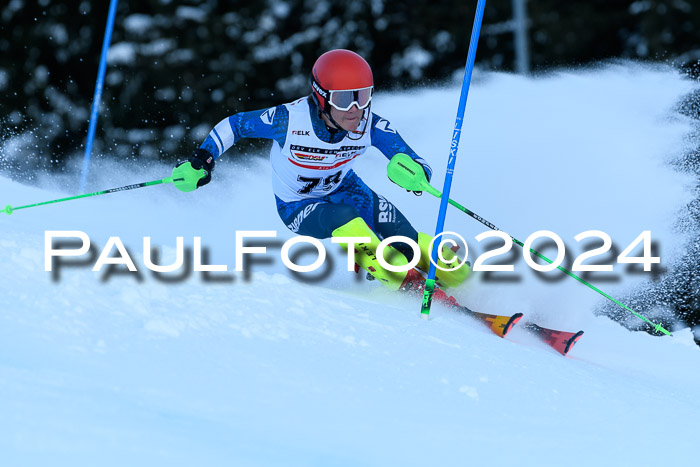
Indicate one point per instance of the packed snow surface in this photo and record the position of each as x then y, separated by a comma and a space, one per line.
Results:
266, 367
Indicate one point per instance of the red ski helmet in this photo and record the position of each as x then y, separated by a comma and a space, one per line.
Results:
341, 70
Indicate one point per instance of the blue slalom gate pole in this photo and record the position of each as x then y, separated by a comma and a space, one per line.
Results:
430, 281
98, 93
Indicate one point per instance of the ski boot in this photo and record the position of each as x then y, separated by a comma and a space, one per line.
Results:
454, 275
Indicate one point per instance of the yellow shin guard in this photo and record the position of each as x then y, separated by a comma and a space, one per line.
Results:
365, 253
451, 278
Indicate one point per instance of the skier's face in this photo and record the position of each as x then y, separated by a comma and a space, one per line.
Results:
348, 120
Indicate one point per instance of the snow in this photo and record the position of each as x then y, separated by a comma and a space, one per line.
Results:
138, 24
121, 53
191, 13
263, 368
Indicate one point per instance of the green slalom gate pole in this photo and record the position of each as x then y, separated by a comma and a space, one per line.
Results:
9, 209
408, 174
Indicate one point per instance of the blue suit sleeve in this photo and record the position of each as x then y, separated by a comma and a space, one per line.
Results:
385, 138
269, 123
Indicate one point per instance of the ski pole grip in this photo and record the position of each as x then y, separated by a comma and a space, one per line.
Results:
408, 174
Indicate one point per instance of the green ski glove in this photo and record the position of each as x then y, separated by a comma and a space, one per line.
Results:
195, 172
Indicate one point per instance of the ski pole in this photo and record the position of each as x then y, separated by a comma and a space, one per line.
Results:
476, 29
9, 209
408, 174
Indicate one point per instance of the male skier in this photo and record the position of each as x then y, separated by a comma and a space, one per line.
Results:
316, 140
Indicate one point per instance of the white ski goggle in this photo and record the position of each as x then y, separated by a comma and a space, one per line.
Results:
344, 100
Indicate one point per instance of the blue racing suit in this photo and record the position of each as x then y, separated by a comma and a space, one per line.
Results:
315, 187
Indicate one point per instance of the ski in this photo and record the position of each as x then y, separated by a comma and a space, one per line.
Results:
500, 324
561, 341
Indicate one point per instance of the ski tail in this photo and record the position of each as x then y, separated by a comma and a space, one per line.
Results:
499, 324
561, 341
414, 283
